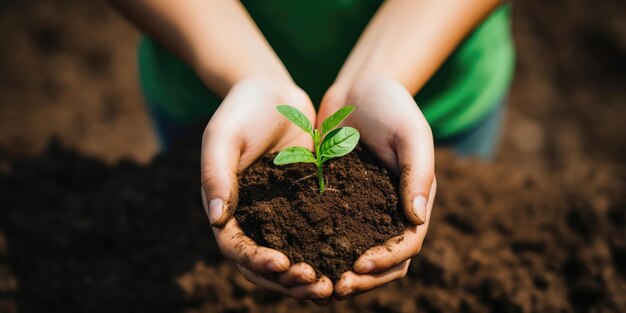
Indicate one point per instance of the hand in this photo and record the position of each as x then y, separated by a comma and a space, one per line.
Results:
393, 127
246, 126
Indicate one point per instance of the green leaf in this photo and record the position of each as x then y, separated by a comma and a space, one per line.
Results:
336, 119
296, 117
294, 155
339, 142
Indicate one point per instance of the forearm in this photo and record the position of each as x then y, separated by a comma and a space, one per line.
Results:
217, 38
408, 40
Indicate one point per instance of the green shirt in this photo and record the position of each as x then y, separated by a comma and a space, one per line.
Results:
313, 39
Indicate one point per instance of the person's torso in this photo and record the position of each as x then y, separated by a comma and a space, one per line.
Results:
313, 39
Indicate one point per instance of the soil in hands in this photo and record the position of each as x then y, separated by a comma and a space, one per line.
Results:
280, 207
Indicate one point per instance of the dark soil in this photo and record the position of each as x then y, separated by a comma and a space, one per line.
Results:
280, 207
88, 238
82, 237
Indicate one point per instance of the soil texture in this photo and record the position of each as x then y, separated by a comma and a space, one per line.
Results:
89, 238
280, 207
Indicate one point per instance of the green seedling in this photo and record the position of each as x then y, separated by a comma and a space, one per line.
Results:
329, 141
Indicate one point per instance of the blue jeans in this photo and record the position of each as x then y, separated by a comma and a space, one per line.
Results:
483, 139
480, 141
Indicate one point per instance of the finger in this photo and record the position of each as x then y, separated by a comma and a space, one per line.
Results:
235, 245
300, 273
397, 249
351, 284
417, 163
219, 162
320, 289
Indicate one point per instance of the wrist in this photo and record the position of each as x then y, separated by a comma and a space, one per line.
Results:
348, 91
275, 91
221, 78
222, 84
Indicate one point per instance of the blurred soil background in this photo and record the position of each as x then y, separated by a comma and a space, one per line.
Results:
69, 71
100, 223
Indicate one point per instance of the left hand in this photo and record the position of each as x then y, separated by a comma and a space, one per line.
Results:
393, 127
242, 129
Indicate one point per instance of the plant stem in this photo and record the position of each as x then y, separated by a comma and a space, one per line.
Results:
320, 178
318, 158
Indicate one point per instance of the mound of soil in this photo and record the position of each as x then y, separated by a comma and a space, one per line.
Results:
281, 207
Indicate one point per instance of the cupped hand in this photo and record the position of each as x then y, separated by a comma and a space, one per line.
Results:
393, 127
244, 127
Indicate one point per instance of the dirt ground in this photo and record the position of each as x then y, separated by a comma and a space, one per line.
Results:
97, 223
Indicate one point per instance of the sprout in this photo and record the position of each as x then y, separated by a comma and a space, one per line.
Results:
329, 142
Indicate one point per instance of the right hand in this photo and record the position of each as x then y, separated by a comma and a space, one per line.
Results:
244, 127
396, 131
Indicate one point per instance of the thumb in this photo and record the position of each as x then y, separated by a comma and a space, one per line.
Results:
417, 163
219, 163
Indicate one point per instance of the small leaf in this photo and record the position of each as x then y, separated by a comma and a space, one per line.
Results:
294, 155
339, 142
296, 117
336, 119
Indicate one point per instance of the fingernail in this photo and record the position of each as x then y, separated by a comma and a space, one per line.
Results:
419, 208
276, 266
305, 279
216, 208
364, 267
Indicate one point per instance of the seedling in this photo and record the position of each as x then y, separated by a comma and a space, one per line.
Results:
330, 142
